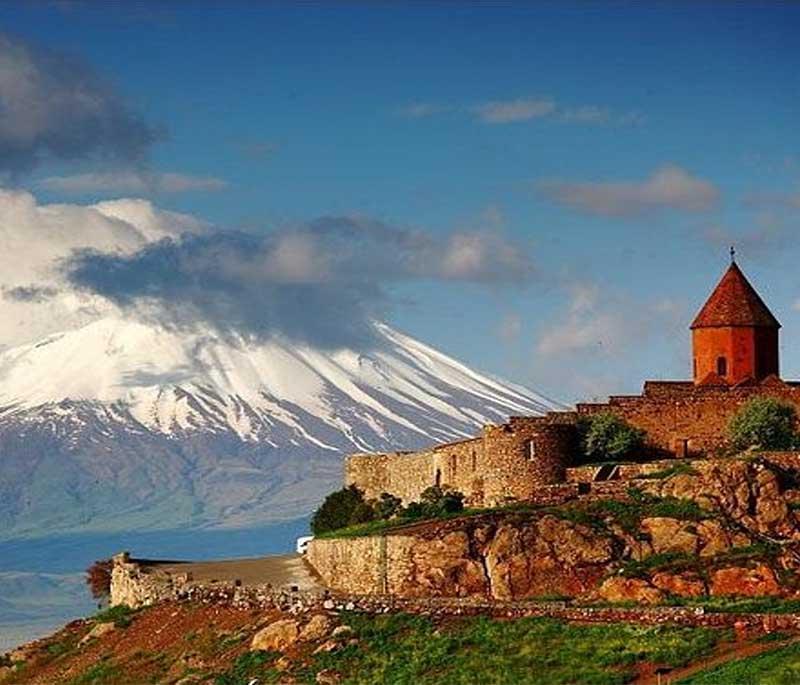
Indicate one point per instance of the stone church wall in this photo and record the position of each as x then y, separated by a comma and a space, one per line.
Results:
686, 420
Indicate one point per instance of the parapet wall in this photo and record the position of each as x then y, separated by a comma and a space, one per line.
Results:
686, 420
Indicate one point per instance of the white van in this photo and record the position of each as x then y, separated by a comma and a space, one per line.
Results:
302, 543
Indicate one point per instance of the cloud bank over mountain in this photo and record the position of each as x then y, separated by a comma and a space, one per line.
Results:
324, 282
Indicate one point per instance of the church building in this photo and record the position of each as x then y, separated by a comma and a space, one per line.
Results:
735, 357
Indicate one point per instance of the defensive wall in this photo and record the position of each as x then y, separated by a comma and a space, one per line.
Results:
151, 590
505, 463
521, 459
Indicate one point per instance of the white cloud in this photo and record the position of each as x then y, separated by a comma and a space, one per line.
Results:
421, 110
34, 239
598, 340
669, 187
134, 182
510, 111
527, 109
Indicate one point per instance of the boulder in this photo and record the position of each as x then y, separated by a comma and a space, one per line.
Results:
679, 584
758, 581
547, 556
620, 589
326, 647
317, 628
99, 630
714, 538
670, 535
748, 492
443, 566
276, 636
328, 676
341, 631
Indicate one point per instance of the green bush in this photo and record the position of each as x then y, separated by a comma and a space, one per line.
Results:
340, 509
606, 436
120, 615
763, 423
435, 502
388, 506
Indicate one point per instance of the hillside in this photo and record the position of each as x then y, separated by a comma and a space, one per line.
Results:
194, 644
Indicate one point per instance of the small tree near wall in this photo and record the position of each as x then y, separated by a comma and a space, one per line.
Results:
764, 423
606, 436
341, 509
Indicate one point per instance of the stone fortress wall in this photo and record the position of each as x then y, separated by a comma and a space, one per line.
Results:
521, 459
506, 462
687, 420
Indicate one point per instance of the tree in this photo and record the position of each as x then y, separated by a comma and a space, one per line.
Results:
387, 506
98, 578
435, 501
764, 423
607, 436
341, 509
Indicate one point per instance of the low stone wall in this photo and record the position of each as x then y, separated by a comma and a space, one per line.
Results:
138, 583
133, 586
261, 598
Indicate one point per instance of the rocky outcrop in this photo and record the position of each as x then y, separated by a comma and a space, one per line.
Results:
276, 636
746, 582
746, 491
721, 527
620, 589
502, 559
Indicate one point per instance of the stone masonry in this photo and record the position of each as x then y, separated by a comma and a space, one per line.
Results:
735, 348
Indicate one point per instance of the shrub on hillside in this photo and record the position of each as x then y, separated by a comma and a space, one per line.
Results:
764, 423
341, 509
606, 436
347, 507
434, 502
98, 578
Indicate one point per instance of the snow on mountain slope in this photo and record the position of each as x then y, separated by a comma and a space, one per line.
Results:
120, 422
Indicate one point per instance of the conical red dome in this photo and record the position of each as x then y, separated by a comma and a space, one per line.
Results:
734, 303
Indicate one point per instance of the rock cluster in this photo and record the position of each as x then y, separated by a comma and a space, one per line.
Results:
736, 539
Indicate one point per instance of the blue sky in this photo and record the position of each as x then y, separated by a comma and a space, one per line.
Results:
619, 146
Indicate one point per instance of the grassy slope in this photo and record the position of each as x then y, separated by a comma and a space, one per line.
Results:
409, 650
169, 642
776, 667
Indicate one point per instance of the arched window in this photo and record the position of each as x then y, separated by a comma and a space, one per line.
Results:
722, 366
694, 367
438, 479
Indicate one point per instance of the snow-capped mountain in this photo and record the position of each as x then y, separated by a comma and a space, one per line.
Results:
119, 424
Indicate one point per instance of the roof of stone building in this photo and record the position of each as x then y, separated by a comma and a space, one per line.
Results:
734, 302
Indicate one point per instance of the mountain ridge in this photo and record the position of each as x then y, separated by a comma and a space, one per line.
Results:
121, 423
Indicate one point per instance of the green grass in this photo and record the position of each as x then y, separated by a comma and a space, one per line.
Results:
104, 673
777, 667
677, 469
402, 649
628, 514
385, 525
741, 605
249, 666
121, 616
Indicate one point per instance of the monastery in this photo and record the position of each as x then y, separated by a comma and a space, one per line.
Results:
734, 357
